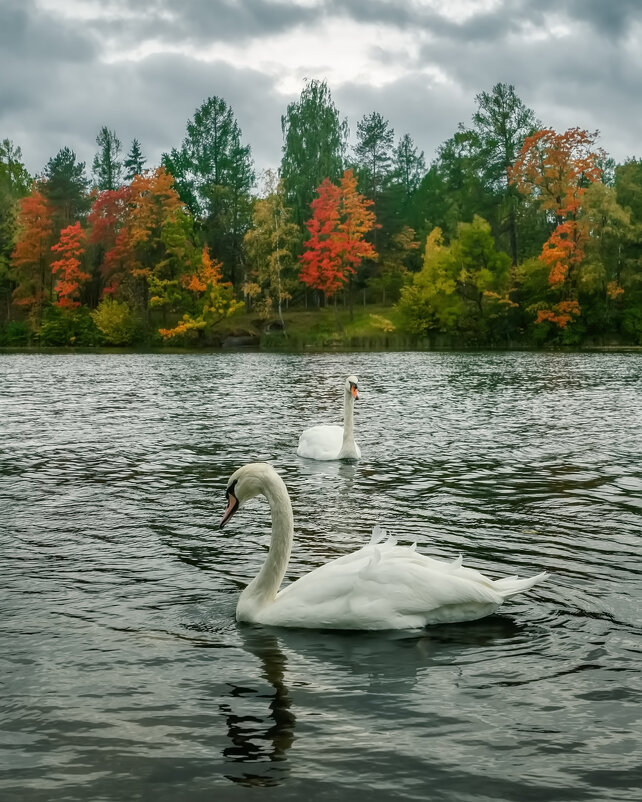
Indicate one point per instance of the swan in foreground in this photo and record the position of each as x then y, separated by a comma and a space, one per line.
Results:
380, 586
334, 442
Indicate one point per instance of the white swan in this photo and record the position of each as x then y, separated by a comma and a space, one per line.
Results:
334, 442
380, 586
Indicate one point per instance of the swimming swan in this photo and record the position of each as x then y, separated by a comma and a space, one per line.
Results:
334, 442
380, 586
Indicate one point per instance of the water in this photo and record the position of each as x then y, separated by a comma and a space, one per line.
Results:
124, 674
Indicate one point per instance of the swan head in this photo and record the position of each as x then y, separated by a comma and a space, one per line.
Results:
244, 484
352, 387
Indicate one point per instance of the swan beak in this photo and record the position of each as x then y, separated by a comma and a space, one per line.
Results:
232, 507
354, 391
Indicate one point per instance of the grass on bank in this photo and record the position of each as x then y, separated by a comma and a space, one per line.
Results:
329, 327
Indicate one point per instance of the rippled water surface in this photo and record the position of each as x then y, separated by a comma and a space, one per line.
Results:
124, 674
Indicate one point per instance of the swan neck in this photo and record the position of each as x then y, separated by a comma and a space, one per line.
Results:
348, 417
265, 585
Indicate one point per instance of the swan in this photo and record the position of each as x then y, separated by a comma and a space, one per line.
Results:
334, 442
380, 586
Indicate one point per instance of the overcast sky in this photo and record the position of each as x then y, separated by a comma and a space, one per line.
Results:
142, 67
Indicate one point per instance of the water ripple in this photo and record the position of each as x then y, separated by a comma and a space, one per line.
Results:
125, 674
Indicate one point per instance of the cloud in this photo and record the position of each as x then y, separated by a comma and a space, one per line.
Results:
143, 68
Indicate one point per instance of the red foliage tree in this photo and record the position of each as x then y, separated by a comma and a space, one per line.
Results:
340, 220
108, 230
31, 253
70, 247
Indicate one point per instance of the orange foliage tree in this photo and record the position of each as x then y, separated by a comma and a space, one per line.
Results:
556, 170
145, 234
210, 300
31, 254
70, 248
341, 218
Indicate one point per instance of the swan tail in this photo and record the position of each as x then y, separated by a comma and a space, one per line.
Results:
378, 534
511, 585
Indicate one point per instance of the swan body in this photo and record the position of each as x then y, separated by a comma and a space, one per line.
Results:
334, 442
379, 586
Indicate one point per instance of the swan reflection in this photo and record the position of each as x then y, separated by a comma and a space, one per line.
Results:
263, 737
260, 726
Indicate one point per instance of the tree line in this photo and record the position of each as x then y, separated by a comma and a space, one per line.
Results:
514, 234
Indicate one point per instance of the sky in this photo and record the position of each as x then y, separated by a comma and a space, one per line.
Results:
143, 67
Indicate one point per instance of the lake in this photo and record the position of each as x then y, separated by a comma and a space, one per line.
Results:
125, 675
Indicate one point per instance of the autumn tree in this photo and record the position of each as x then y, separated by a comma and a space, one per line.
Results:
107, 164
31, 255
270, 249
145, 237
159, 236
341, 217
70, 248
210, 301
108, 236
556, 169
314, 142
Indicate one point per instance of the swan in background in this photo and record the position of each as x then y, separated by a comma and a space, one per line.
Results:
380, 586
334, 442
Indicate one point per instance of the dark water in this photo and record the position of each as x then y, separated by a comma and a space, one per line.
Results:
124, 674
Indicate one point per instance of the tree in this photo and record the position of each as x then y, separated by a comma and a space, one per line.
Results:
31, 255
15, 183
70, 248
211, 301
373, 153
134, 162
65, 186
452, 191
556, 170
108, 235
314, 141
408, 166
107, 166
270, 248
502, 122
462, 288
145, 236
214, 174
341, 217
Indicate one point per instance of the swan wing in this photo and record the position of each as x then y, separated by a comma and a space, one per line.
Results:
383, 587
321, 442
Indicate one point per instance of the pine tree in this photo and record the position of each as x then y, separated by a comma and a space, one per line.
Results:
107, 167
134, 162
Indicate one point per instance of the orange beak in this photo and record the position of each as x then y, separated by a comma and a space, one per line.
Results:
354, 391
232, 507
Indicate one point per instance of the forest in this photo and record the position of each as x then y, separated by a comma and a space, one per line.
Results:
515, 235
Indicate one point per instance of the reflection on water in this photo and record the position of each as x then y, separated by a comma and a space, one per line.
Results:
259, 738
125, 674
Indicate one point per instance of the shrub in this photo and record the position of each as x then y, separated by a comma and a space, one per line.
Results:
68, 327
17, 332
116, 321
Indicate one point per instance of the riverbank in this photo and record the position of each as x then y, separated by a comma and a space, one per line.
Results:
364, 328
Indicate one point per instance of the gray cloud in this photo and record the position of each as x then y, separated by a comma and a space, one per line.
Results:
58, 87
